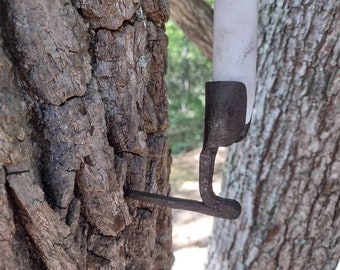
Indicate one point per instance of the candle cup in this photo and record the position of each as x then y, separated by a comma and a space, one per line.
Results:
225, 113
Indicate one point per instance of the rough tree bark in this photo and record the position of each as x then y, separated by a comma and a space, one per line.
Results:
195, 17
287, 172
83, 114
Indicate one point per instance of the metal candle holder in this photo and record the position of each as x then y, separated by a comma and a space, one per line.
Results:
225, 117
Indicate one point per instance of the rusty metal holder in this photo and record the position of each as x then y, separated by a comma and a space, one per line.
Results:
225, 114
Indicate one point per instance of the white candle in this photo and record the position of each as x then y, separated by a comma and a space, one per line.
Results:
235, 45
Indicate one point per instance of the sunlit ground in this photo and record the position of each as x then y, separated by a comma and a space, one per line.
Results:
191, 231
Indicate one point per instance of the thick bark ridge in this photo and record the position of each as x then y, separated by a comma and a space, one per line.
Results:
83, 115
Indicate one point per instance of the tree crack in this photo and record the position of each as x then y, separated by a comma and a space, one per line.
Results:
16, 172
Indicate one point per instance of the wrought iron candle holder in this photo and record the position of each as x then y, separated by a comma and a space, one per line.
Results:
225, 117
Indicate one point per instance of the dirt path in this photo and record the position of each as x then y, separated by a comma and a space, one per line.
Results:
191, 231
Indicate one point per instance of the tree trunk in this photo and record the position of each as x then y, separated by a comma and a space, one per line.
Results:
195, 17
83, 115
286, 173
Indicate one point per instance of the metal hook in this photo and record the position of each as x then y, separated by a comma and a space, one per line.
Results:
224, 125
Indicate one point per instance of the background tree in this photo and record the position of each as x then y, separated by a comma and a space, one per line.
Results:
195, 18
189, 51
287, 172
83, 114
188, 70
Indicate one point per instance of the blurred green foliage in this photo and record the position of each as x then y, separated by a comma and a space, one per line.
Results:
211, 2
188, 70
